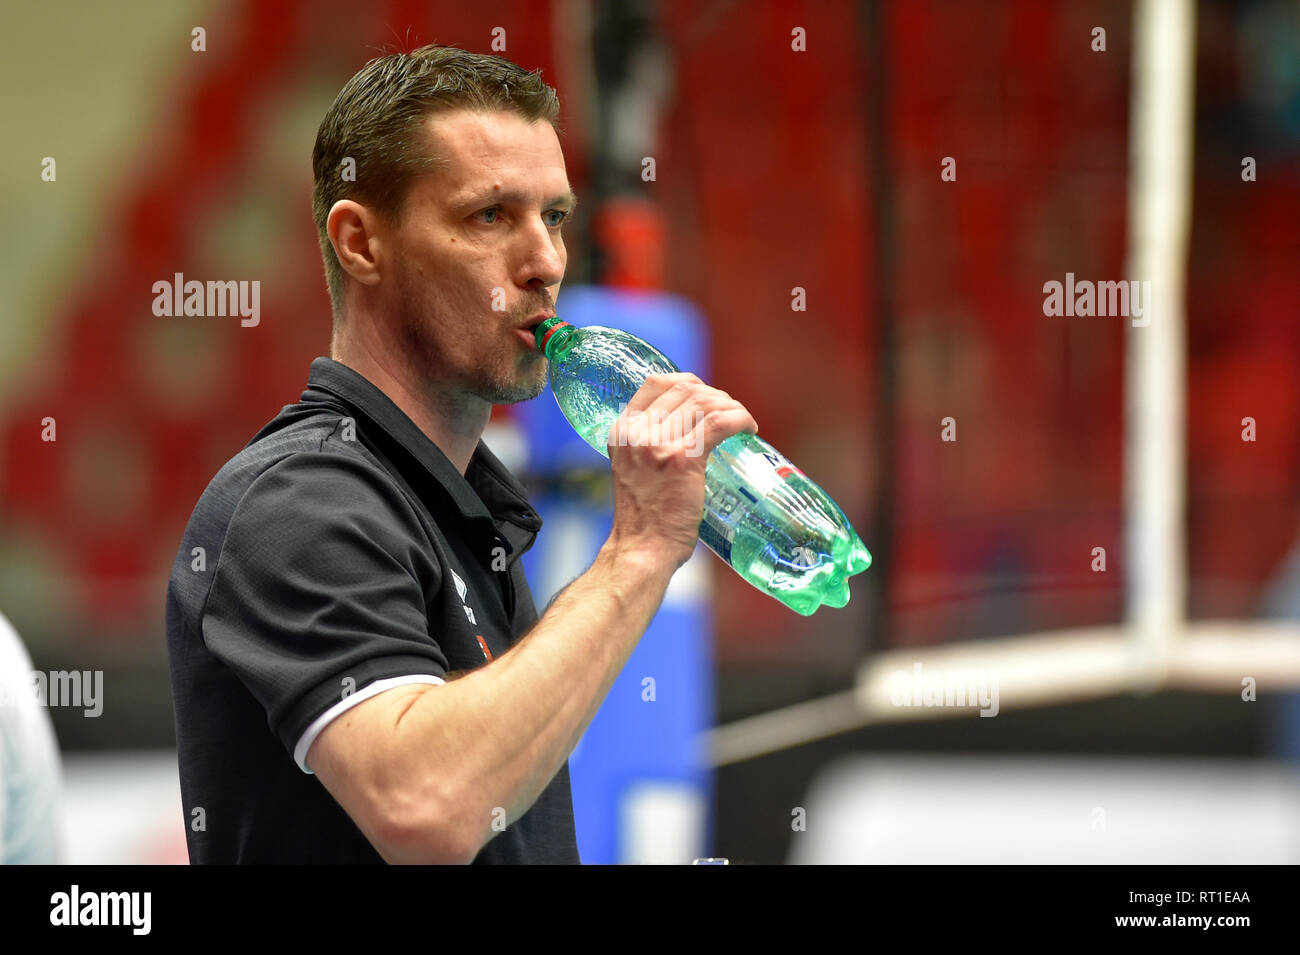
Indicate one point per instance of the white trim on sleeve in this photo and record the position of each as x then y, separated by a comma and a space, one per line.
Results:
345, 704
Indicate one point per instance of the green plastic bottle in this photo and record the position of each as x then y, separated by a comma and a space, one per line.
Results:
762, 515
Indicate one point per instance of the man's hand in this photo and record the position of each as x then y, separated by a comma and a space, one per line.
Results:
658, 450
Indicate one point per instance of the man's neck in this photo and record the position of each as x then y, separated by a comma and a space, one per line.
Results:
453, 421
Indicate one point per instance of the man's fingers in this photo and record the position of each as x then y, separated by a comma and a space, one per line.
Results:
716, 426
698, 432
679, 409
655, 386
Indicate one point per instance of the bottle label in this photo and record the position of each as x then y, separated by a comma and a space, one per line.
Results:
718, 529
782, 465
719, 541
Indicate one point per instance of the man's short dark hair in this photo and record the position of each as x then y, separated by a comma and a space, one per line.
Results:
375, 118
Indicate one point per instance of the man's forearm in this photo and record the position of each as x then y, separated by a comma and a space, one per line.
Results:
504, 730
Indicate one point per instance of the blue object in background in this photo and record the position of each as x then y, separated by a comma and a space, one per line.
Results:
1282, 602
642, 791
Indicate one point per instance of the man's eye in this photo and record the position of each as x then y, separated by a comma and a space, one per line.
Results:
494, 212
557, 212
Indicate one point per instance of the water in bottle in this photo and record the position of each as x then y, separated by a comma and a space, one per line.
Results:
762, 515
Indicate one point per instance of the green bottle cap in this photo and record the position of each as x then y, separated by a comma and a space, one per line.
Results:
547, 329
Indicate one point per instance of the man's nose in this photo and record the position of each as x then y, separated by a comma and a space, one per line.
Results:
543, 257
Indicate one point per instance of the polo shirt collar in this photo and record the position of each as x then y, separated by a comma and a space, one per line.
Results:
486, 490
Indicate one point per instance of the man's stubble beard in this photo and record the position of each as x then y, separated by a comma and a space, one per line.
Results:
508, 392
483, 381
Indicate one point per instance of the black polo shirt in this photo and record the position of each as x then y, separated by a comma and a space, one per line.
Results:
339, 554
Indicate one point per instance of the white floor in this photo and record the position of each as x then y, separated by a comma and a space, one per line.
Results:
964, 810
123, 808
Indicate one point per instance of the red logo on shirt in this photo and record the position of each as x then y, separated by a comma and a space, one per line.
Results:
487, 654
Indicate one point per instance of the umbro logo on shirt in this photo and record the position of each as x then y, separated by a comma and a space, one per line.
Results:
462, 590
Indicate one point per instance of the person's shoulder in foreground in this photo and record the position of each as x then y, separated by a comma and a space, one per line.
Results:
30, 777
332, 559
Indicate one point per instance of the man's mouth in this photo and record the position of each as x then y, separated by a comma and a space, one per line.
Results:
527, 332
530, 325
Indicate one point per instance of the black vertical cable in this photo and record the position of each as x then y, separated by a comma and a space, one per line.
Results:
881, 216
619, 29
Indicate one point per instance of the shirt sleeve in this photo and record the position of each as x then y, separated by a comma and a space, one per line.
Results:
319, 599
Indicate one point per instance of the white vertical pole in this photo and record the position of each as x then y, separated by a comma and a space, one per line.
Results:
1160, 162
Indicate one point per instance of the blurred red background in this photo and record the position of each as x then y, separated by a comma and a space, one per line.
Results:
767, 180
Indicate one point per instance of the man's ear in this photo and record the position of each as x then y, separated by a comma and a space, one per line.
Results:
354, 231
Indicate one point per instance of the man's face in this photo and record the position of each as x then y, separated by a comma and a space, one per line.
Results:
479, 253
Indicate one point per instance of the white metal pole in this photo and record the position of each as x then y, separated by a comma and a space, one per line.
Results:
1160, 164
